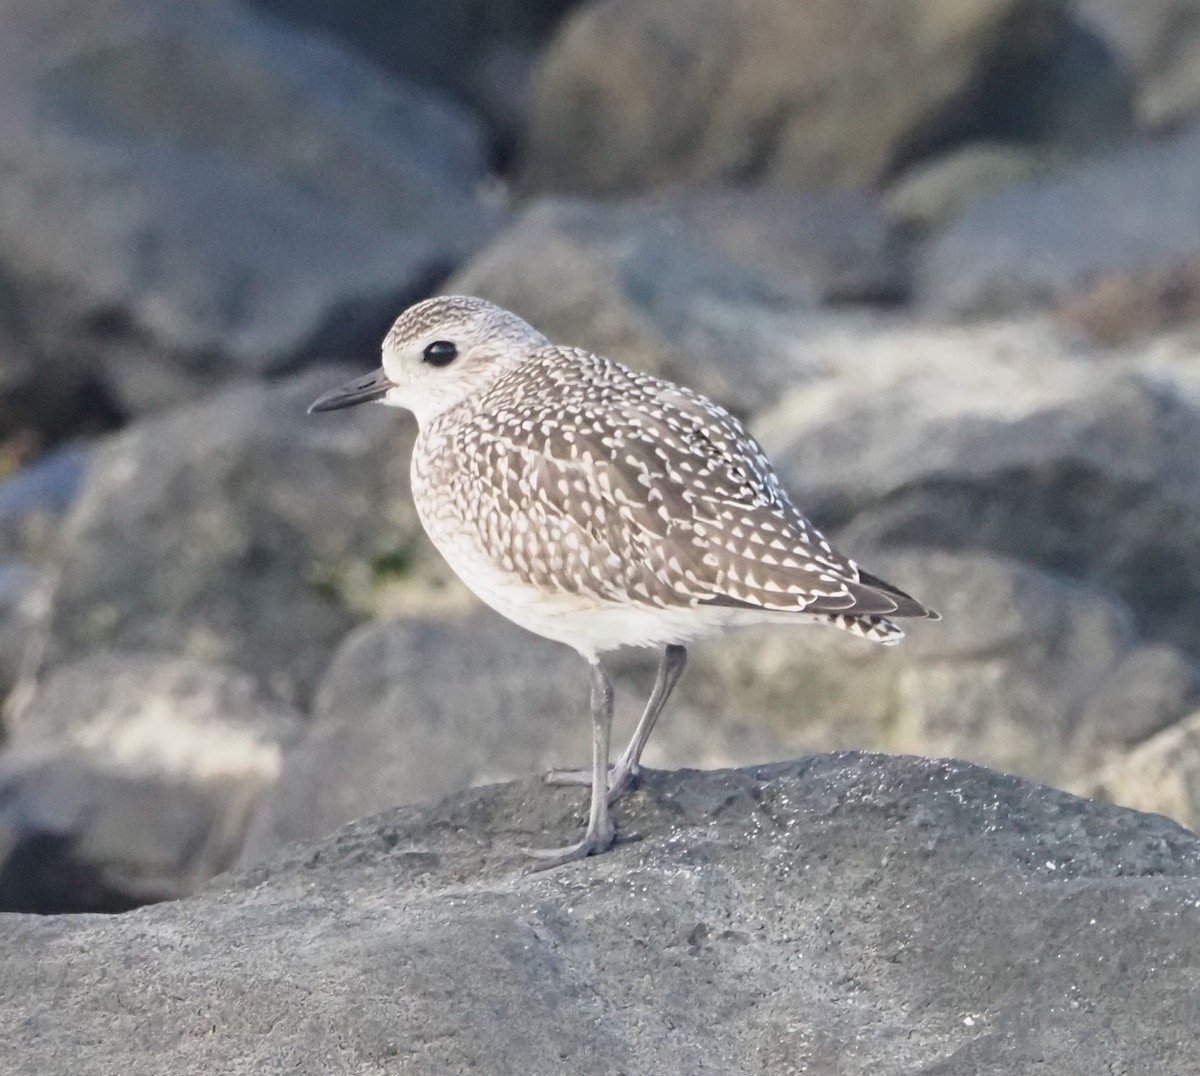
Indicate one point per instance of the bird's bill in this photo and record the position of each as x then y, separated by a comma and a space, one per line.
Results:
373, 386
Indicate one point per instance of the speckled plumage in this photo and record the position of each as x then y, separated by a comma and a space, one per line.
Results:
600, 506
583, 480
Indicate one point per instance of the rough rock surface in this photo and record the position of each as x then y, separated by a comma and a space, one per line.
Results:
132, 778
850, 913
1041, 242
233, 531
634, 94
191, 192
719, 291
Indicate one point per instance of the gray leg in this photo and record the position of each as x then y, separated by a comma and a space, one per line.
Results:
670, 669
601, 832
625, 772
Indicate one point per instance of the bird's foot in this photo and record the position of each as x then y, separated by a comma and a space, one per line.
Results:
620, 779
597, 839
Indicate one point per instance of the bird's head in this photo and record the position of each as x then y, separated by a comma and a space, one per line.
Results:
439, 352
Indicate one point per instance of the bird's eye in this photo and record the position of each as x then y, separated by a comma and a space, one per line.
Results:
440, 353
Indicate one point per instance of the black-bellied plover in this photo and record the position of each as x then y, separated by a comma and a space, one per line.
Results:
603, 507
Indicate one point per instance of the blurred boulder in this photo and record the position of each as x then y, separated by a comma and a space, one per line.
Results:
1044, 241
414, 709
851, 914
1006, 438
45, 397
238, 530
189, 192
634, 94
481, 52
23, 593
1158, 42
1027, 673
132, 778
717, 290
928, 196
35, 498
1161, 775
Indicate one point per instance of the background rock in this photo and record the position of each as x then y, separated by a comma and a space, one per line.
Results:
718, 290
1038, 676
1162, 774
423, 706
1034, 675
1041, 242
635, 95
1158, 42
191, 193
845, 914
238, 530
479, 51
1005, 439
132, 778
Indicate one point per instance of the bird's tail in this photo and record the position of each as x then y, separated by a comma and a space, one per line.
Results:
876, 628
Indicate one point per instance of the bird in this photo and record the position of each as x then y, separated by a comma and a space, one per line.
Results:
603, 507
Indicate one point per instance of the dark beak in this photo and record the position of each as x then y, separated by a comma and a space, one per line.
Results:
360, 390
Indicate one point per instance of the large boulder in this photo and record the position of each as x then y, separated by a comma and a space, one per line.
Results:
132, 778
190, 192
634, 94
849, 913
481, 52
1011, 439
1046, 241
237, 530
717, 289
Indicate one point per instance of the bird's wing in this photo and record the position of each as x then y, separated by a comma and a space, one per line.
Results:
664, 499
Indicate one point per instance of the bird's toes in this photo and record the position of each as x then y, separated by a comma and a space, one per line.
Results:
567, 777
594, 843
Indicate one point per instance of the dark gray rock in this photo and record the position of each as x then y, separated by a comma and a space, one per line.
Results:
1041, 242
849, 913
479, 51
633, 95
132, 778
1158, 43
238, 530
193, 192
719, 291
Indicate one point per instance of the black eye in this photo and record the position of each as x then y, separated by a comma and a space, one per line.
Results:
440, 353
